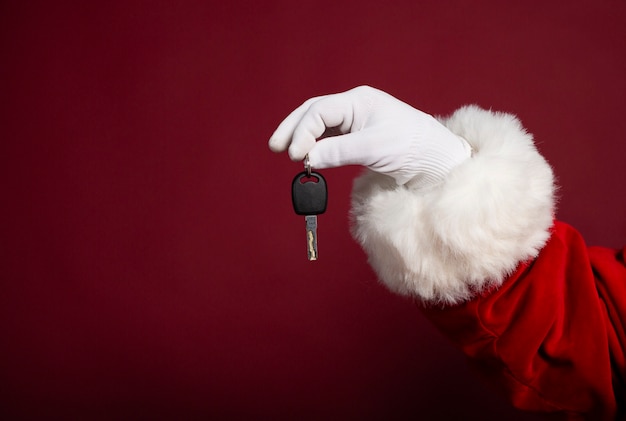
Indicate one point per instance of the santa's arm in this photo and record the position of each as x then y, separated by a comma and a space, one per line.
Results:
458, 213
515, 291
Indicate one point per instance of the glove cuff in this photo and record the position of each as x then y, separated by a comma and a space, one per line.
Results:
452, 240
433, 157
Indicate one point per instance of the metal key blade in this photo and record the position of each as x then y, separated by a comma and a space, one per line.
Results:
311, 236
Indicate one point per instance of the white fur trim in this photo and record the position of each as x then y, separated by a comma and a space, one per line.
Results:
448, 242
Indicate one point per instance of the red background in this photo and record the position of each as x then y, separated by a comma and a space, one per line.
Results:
151, 265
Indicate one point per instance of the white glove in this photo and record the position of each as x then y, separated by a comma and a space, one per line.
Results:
376, 130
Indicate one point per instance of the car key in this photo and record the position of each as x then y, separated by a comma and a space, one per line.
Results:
309, 196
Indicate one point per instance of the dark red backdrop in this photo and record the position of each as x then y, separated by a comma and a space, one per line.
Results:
151, 265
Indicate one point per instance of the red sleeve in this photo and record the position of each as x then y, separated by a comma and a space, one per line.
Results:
552, 336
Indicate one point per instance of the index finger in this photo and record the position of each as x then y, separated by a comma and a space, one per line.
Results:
281, 139
300, 130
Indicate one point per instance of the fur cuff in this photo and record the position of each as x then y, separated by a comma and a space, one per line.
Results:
446, 243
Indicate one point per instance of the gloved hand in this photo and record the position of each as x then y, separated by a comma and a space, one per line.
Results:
375, 130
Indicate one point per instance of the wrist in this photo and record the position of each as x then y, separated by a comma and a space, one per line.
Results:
434, 164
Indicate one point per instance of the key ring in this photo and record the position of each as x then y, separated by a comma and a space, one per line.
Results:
307, 165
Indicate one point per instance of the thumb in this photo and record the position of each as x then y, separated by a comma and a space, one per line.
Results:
337, 151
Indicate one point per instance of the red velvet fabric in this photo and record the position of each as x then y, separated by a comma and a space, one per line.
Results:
552, 336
